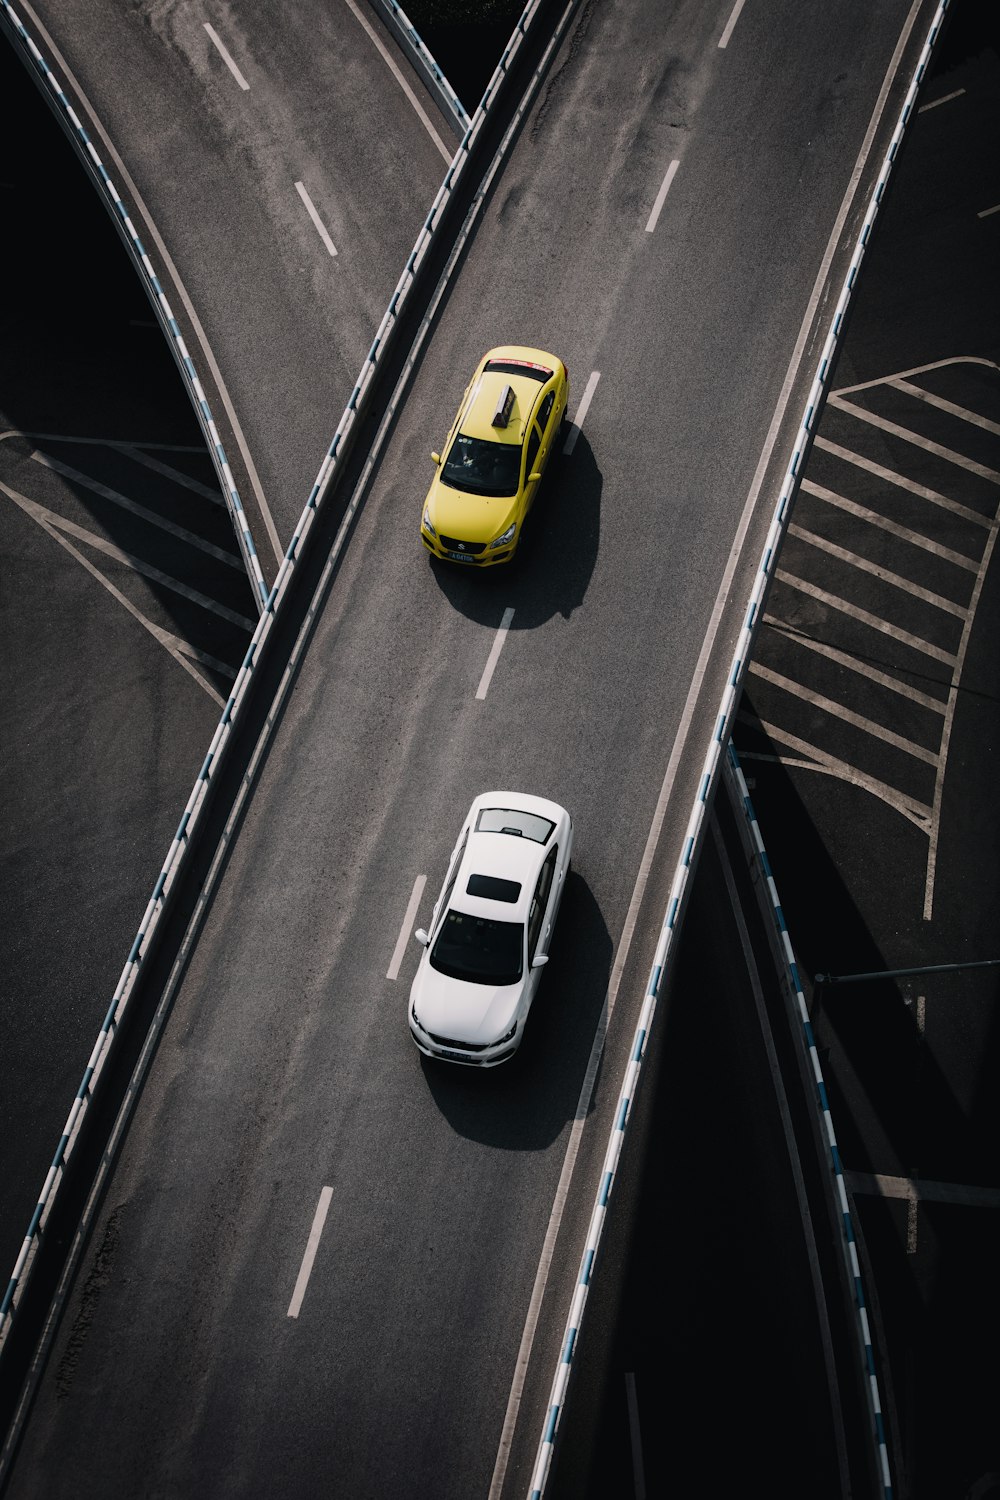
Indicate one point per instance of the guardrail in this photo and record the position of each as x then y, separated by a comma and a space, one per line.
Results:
174, 865
56, 96
450, 104
754, 840
697, 819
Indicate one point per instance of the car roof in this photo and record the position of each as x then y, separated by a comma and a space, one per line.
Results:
490, 385
509, 856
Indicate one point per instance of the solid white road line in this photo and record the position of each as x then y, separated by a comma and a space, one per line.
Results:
734, 17
390, 64
581, 411
137, 565
175, 476
944, 99
984, 213
76, 476
661, 195
494, 656
178, 649
312, 1245
219, 45
311, 211
416, 897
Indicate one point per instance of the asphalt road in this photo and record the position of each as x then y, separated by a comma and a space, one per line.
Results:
124, 610
286, 1066
848, 814
278, 297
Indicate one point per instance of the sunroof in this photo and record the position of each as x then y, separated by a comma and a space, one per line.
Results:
493, 887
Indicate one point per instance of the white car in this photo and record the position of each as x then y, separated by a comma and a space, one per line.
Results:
490, 930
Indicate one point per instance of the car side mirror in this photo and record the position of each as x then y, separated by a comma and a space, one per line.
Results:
436, 458
422, 936
539, 959
533, 478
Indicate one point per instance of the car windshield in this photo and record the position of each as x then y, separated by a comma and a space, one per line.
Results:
479, 949
514, 820
484, 468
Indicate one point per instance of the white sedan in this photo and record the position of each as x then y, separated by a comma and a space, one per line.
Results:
490, 930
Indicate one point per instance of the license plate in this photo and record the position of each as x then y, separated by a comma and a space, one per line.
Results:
461, 557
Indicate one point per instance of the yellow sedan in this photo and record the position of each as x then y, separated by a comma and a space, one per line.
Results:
495, 456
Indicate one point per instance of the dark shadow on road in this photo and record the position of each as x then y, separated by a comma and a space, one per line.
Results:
556, 559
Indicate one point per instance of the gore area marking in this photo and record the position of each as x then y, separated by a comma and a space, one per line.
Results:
312, 1245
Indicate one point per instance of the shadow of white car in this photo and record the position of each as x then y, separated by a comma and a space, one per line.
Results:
490, 930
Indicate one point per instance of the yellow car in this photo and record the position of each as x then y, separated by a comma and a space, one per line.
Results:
495, 455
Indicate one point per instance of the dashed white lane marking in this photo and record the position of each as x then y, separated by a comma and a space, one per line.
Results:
984, 213
581, 411
312, 1245
220, 47
311, 211
390, 64
416, 896
494, 656
944, 99
178, 649
733, 18
76, 476
671, 173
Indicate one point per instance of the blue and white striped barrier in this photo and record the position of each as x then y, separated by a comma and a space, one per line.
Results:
157, 296
696, 821
420, 56
174, 864
742, 796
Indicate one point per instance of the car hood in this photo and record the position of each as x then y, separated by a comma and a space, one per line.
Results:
468, 517
474, 1013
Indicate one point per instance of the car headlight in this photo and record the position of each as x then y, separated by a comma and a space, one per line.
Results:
427, 521
506, 1036
508, 536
